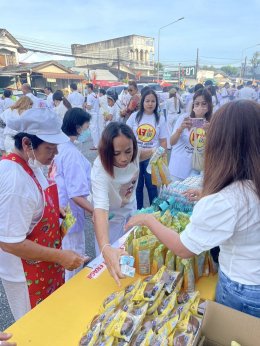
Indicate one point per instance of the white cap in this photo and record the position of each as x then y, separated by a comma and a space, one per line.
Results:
41, 122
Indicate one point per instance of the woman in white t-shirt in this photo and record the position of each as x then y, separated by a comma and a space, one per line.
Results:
173, 107
114, 178
183, 136
228, 214
61, 104
151, 132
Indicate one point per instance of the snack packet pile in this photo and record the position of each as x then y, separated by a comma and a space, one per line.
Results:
152, 311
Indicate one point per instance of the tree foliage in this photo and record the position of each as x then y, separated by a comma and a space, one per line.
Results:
230, 70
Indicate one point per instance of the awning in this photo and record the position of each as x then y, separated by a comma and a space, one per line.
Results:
67, 76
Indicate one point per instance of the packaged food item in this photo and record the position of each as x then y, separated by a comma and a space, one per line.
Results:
166, 327
67, 222
105, 341
156, 178
182, 339
131, 289
198, 307
175, 224
158, 258
234, 343
179, 265
149, 323
170, 260
206, 265
167, 304
188, 275
113, 300
148, 291
91, 336
213, 266
129, 244
123, 326
199, 265
127, 260
152, 307
194, 324
164, 171
184, 220
127, 270
158, 340
166, 218
143, 252
143, 338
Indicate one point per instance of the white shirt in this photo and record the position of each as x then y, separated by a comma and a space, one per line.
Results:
76, 99
92, 101
21, 207
180, 164
170, 105
60, 110
116, 195
103, 105
7, 103
49, 100
147, 132
8, 133
247, 93
230, 219
36, 101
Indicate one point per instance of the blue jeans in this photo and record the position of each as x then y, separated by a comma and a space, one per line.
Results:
145, 178
245, 298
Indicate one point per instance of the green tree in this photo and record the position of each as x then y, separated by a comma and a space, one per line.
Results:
231, 71
255, 62
209, 68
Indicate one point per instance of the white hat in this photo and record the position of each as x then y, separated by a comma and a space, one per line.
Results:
41, 122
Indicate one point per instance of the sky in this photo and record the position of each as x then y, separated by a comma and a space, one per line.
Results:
223, 30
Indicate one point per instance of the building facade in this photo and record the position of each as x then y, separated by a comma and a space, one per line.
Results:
133, 53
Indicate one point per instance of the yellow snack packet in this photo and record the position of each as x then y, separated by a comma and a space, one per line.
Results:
158, 258
199, 261
129, 244
183, 339
67, 222
188, 275
164, 172
152, 307
167, 326
166, 218
167, 304
198, 307
148, 291
131, 289
123, 327
143, 338
92, 335
170, 260
143, 253
156, 178
113, 300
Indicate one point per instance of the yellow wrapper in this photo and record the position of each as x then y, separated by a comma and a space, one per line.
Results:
164, 172
156, 178
188, 275
170, 260
143, 253
158, 258
67, 222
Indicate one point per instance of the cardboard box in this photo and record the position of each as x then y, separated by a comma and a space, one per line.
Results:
221, 325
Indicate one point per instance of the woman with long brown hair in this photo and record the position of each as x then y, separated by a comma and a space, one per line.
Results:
228, 214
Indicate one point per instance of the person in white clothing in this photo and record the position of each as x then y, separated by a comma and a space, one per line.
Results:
31, 258
71, 171
27, 91
113, 109
103, 111
14, 111
173, 109
92, 107
114, 178
215, 100
225, 96
7, 101
49, 93
61, 104
183, 136
75, 98
124, 97
228, 214
247, 93
151, 132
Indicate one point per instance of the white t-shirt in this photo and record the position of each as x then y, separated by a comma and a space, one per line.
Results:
247, 93
49, 100
7, 102
92, 101
36, 101
76, 99
21, 207
170, 105
180, 164
116, 195
147, 132
230, 219
60, 110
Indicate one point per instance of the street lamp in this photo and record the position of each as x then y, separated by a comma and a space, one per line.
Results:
242, 56
159, 31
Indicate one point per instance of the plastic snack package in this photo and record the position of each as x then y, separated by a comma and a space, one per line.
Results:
128, 260
199, 265
139, 312
131, 289
149, 323
170, 260
172, 280
158, 258
143, 338
148, 291
166, 218
113, 300
124, 326
143, 252
213, 266
198, 307
188, 275
127, 270
194, 324
158, 340
184, 220
153, 306
175, 224
179, 265
156, 178
91, 336
206, 265
167, 304
166, 327
234, 343
105, 341
182, 339
164, 172
67, 222
129, 244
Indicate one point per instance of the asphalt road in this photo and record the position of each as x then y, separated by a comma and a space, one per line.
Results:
6, 318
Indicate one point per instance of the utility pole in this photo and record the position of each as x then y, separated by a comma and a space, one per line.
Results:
197, 64
244, 68
118, 64
179, 82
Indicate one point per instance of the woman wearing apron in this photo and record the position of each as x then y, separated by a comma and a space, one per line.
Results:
31, 260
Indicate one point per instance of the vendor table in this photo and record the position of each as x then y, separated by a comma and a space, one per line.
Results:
62, 318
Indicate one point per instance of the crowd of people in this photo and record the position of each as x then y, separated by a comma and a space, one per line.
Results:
221, 125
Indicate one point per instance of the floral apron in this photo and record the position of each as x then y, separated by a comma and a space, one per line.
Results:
42, 277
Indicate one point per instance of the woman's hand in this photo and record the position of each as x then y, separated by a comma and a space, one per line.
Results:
3, 339
71, 260
123, 113
193, 195
186, 124
62, 212
111, 257
138, 220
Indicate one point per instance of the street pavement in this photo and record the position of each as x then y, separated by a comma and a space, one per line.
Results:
6, 318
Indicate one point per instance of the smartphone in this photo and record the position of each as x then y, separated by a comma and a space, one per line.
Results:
197, 122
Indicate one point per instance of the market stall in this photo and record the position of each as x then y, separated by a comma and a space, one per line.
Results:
63, 317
